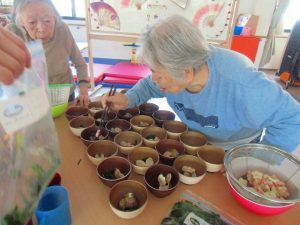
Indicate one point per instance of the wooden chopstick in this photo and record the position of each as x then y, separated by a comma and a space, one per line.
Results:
112, 92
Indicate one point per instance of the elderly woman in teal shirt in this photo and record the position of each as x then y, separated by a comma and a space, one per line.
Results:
38, 19
215, 91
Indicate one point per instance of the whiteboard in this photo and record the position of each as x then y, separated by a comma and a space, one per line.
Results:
133, 17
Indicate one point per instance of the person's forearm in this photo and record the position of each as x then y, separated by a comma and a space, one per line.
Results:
142, 92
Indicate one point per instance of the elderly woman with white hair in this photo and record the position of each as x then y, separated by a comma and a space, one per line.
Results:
215, 91
38, 19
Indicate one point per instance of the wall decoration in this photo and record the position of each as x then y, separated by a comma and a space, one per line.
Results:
181, 3
104, 15
213, 18
133, 3
133, 17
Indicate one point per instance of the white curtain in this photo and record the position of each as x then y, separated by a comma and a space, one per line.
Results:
269, 48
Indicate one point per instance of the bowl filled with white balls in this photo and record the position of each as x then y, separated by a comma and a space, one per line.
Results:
141, 158
128, 199
100, 150
191, 169
169, 150
161, 180
127, 141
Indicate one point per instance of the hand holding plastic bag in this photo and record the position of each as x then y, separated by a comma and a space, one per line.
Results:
29, 149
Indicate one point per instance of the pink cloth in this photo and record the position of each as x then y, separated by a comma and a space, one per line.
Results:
128, 70
118, 80
98, 72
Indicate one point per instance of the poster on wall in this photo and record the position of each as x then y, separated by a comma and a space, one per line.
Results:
212, 17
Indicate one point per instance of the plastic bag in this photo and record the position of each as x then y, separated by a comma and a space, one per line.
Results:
29, 149
193, 209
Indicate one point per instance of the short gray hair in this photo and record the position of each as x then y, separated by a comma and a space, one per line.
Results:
175, 44
19, 6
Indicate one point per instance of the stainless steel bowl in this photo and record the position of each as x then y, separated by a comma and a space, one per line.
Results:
267, 159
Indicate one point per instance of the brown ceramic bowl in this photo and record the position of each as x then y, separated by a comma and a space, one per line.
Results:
151, 179
161, 116
142, 153
127, 114
192, 141
169, 150
152, 135
193, 162
100, 150
111, 115
127, 141
78, 124
148, 108
56, 180
140, 122
95, 107
76, 111
117, 126
174, 128
88, 135
122, 189
107, 167
213, 156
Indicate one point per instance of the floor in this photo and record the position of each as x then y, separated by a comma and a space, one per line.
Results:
293, 90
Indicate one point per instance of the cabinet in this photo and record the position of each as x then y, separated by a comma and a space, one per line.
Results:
247, 45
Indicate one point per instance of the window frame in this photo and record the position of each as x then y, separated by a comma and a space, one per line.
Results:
73, 10
286, 28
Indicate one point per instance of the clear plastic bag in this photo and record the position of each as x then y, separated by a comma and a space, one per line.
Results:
193, 209
29, 149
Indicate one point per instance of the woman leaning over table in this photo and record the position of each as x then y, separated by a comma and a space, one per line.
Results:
38, 19
215, 91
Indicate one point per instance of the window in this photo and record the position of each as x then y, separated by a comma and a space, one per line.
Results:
291, 15
6, 2
70, 9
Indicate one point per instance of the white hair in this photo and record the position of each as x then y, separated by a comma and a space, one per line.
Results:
175, 44
20, 5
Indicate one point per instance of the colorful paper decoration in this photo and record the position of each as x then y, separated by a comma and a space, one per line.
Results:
105, 15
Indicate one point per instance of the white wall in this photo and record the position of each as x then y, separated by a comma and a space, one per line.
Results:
262, 8
275, 62
101, 49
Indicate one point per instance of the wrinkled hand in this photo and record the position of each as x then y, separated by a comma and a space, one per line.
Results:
14, 56
118, 101
83, 98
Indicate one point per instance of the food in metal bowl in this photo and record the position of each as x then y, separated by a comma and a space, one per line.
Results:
263, 183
